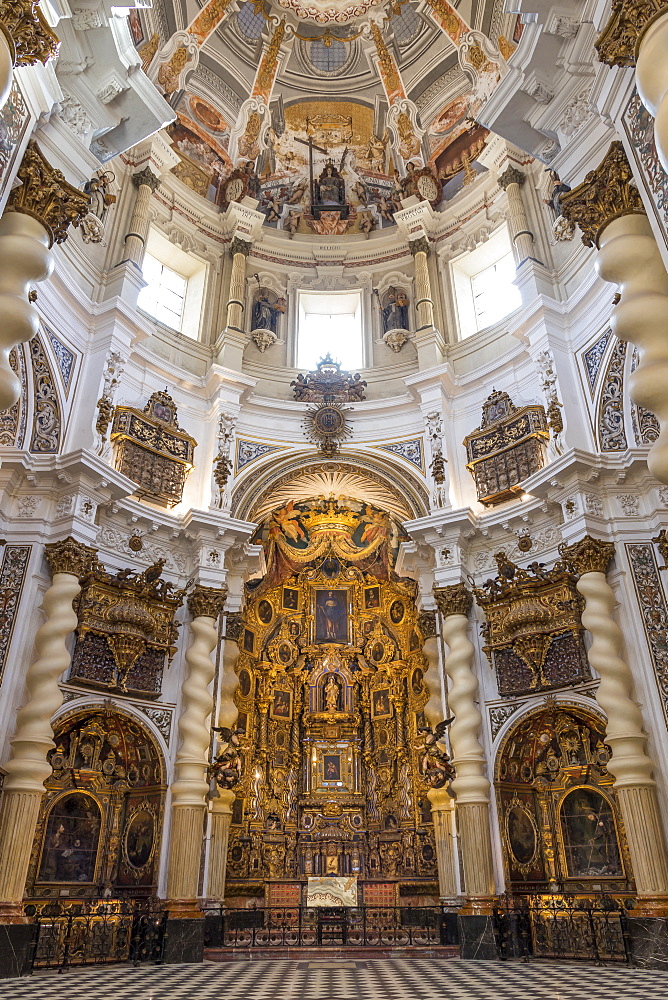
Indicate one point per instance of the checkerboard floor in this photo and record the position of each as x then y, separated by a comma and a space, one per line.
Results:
417, 979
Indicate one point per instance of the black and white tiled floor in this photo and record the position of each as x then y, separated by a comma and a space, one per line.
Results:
390, 979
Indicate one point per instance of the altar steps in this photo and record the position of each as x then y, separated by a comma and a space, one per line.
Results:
312, 954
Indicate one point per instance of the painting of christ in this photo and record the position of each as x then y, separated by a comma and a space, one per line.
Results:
331, 616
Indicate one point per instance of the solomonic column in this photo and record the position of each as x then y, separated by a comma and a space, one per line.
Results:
28, 766
38, 214
25, 39
190, 786
471, 786
608, 209
630, 764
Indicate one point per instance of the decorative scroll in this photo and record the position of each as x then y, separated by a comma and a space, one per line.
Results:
152, 450
652, 601
533, 630
126, 629
250, 451
47, 424
65, 359
411, 451
14, 121
13, 420
507, 447
12, 577
611, 431
593, 358
645, 425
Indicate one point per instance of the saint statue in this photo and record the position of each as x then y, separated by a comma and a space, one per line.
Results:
265, 314
331, 694
395, 313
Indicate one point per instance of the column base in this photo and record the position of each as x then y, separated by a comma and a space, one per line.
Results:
184, 933
476, 937
16, 945
648, 942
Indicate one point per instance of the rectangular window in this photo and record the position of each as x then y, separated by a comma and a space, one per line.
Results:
484, 285
165, 294
176, 282
330, 322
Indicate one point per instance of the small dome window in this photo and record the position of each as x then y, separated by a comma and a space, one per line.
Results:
251, 23
407, 25
328, 56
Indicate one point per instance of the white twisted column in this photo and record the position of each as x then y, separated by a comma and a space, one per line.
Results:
442, 803
190, 786
652, 81
28, 766
471, 786
629, 764
221, 814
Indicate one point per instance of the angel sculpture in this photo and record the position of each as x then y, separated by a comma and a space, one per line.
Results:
435, 766
225, 769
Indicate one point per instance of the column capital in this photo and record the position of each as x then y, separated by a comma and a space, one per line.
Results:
453, 600
45, 195
511, 175
30, 37
589, 555
70, 556
146, 176
607, 193
207, 602
420, 245
239, 245
619, 42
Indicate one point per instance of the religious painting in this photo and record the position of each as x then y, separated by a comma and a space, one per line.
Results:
414, 642
416, 681
290, 599
237, 811
332, 766
331, 616
242, 723
371, 598
281, 705
249, 641
377, 652
397, 612
381, 707
521, 832
136, 30
244, 683
590, 837
265, 612
285, 652
140, 838
71, 840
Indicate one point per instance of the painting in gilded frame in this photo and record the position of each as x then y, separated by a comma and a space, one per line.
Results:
381, 705
330, 611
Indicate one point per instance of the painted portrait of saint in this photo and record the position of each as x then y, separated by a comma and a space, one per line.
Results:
331, 767
381, 703
590, 838
331, 616
290, 599
372, 598
521, 835
139, 838
282, 705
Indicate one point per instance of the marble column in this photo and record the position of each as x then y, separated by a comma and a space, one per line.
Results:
221, 806
239, 250
521, 236
27, 768
608, 209
471, 786
424, 304
630, 764
38, 214
134, 246
25, 39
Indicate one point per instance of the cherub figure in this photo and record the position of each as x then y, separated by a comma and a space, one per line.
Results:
435, 766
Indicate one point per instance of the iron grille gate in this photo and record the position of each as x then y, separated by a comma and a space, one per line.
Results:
563, 927
90, 933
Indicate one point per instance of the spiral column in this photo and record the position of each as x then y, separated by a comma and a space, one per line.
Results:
28, 767
630, 765
190, 786
471, 786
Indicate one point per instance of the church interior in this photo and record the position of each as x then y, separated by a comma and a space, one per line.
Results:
334, 495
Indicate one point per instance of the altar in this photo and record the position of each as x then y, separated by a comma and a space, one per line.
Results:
332, 891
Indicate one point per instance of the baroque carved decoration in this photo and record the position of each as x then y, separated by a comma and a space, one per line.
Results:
152, 450
618, 43
12, 577
45, 195
69, 556
453, 600
610, 423
589, 555
533, 633
125, 630
46, 421
207, 602
652, 601
30, 38
328, 384
507, 447
607, 193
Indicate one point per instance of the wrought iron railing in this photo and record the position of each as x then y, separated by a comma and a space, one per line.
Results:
334, 927
563, 926
96, 932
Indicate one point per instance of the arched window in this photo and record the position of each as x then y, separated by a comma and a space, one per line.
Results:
589, 834
251, 23
69, 853
407, 25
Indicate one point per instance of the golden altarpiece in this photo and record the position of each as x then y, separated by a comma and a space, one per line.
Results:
331, 698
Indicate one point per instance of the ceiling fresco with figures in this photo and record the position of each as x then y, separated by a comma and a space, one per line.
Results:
328, 113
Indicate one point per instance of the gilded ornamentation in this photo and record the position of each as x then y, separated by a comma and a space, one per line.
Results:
152, 450
30, 37
326, 425
533, 631
436, 769
126, 629
618, 43
607, 193
427, 624
589, 555
388, 69
113, 369
225, 768
453, 600
69, 556
207, 602
45, 195
328, 384
266, 73
507, 447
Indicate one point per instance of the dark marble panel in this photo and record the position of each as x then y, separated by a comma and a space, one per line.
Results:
476, 937
649, 942
450, 929
184, 941
15, 948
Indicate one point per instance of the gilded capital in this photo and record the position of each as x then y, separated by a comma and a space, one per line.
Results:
207, 602
420, 245
239, 246
147, 177
454, 600
45, 195
619, 42
30, 38
607, 193
70, 556
511, 175
589, 555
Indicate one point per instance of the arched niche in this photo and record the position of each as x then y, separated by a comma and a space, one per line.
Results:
100, 822
559, 821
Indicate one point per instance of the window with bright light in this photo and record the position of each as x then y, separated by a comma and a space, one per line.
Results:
330, 322
484, 286
176, 280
